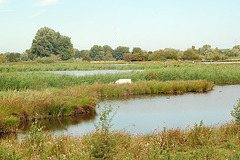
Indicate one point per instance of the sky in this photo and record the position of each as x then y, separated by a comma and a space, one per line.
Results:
148, 24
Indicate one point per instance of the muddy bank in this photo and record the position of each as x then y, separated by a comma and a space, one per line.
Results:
30, 105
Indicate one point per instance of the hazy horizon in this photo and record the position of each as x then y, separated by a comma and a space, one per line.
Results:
150, 25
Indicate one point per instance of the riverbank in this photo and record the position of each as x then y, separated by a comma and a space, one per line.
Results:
199, 142
219, 74
23, 105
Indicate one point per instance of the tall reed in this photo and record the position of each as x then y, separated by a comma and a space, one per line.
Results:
198, 142
25, 104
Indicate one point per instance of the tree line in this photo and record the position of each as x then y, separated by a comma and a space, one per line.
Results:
49, 45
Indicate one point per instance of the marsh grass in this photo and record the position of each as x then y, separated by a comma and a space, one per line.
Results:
198, 142
70, 101
219, 74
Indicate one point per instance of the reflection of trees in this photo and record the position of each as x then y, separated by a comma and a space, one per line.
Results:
61, 123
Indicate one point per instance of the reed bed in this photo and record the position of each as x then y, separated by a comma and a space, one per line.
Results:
25, 104
198, 142
219, 74
63, 66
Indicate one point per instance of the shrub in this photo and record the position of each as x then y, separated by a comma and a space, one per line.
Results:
236, 112
47, 60
102, 142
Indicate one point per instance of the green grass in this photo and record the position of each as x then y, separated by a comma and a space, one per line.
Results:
198, 142
53, 102
219, 74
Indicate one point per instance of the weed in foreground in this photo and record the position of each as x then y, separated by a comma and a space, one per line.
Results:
236, 112
101, 143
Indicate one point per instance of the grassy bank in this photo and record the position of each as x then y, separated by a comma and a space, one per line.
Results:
23, 105
63, 66
199, 142
219, 74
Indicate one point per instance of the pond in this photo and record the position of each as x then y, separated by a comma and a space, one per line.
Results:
91, 72
220, 62
145, 114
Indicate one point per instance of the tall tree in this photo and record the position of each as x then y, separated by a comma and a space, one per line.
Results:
48, 42
64, 48
97, 53
189, 54
136, 50
107, 49
12, 56
119, 52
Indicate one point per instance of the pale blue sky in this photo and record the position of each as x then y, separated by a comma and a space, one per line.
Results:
149, 24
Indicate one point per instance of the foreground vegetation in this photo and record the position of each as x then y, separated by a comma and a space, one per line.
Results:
34, 96
198, 142
23, 105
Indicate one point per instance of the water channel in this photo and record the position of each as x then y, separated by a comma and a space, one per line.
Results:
91, 72
145, 114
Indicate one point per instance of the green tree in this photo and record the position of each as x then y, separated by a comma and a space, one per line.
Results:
205, 50
108, 56
64, 48
189, 54
107, 49
235, 52
136, 50
48, 42
81, 54
2, 59
12, 56
24, 56
170, 53
158, 56
119, 52
97, 53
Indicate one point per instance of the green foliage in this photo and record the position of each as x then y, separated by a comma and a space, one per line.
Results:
12, 57
199, 142
136, 50
47, 60
85, 58
10, 124
2, 59
102, 143
36, 135
236, 112
97, 53
24, 57
120, 52
48, 42
64, 48
81, 54
136, 57
189, 55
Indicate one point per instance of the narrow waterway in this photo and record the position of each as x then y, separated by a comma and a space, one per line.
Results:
146, 114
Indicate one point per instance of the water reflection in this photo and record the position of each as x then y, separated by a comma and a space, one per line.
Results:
92, 72
148, 113
58, 124
220, 62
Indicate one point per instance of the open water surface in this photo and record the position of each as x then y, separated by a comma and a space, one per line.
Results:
91, 72
145, 114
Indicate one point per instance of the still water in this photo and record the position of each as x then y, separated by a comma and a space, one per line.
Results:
220, 62
91, 72
145, 114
